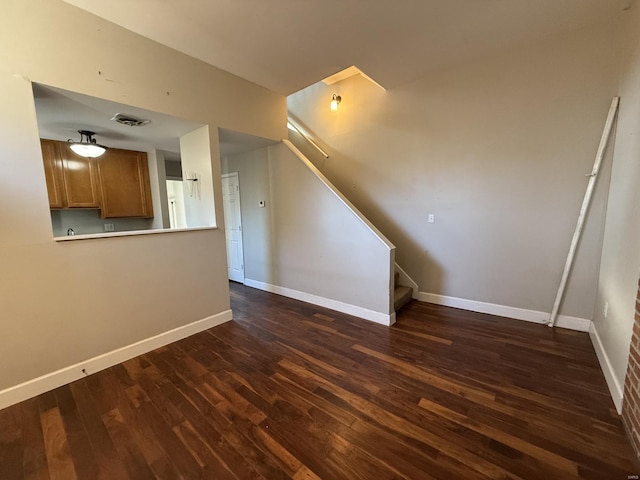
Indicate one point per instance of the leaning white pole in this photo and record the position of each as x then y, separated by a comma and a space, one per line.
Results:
585, 205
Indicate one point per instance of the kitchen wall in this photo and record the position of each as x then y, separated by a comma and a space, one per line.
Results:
158, 181
97, 296
88, 221
197, 178
173, 169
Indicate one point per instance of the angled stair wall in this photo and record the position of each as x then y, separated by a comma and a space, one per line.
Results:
404, 288
314, 245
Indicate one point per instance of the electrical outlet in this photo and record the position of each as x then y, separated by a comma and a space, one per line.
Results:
605, 310
108, 227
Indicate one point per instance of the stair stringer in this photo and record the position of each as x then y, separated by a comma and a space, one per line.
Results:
407, 281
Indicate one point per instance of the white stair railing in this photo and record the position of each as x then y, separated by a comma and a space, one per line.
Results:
292, 125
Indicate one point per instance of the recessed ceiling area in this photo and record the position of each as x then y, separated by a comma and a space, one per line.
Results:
287, 45
62, 113
232, 142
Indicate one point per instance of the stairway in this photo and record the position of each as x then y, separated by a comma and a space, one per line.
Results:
401, 293
300, 142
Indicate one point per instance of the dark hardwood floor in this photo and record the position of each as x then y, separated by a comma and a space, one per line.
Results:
289, 390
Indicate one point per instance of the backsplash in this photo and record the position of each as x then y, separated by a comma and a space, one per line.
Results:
87, 221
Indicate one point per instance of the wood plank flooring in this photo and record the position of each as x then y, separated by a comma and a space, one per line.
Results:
289, 390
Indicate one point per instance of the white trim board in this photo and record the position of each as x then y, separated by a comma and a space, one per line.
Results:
406, 279
356, 311
49, 381
615, 388
535, 316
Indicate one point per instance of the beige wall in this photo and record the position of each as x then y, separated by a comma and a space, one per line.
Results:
61, 303
319, 245
306, 239
621, 249
497, 150
253, 174
198, 180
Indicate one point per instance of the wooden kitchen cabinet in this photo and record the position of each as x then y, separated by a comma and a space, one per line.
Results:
53, 173
117, 182
124, 184
71, 180
80, 179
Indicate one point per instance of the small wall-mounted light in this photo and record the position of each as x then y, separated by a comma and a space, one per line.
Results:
335, 101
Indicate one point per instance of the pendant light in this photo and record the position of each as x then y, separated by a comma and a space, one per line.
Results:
87, 146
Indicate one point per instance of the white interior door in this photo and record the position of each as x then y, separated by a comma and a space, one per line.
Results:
233, 226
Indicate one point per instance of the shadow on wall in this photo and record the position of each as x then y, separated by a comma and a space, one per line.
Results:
410, 255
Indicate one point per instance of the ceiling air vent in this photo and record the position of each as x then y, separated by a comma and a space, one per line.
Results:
129, 120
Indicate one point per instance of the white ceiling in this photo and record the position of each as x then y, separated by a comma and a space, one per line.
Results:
286, 45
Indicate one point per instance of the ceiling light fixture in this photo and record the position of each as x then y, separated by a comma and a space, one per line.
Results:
87, 146
335, 101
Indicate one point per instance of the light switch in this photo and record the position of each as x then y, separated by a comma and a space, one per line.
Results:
431, 218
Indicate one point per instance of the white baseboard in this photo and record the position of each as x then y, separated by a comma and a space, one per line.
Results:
377, 317
45, 383
615, 388
564, 321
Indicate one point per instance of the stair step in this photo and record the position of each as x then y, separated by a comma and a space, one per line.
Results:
401, 296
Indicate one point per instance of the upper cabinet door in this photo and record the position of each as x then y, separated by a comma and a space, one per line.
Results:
53, 173
80, 179
124, 184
